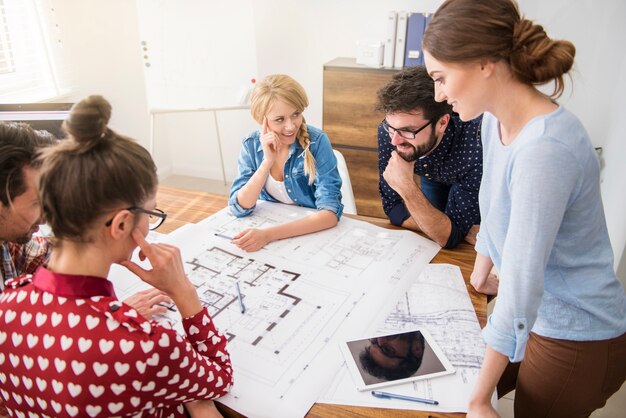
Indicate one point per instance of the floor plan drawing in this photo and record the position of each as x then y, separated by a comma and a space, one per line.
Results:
286, 309
300, 296
438, 302
352, 247
452, 323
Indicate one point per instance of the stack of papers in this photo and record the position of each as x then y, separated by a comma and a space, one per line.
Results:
302, 297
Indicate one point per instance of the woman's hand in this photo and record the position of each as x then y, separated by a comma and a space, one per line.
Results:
470, 238
482, 410
202, 409
147, 302
493, 366
252, 239
269, 142
487, 285
167, 273
483, 278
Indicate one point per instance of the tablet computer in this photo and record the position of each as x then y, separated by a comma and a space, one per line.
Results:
390, 359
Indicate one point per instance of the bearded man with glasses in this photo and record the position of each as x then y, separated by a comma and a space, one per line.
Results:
422, 137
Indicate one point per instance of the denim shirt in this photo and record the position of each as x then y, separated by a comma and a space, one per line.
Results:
323, 194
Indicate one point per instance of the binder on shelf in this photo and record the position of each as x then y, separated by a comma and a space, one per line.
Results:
416, 25
390, 40
398, 61
429, 17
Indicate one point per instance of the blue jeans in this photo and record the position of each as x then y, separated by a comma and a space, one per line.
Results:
437, 193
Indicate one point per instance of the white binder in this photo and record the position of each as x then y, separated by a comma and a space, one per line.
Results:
390, 40
398, 61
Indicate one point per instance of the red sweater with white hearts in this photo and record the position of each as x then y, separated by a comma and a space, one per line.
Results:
69, 348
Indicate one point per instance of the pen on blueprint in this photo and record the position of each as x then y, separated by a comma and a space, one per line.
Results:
242, 307
387, 395
224, 236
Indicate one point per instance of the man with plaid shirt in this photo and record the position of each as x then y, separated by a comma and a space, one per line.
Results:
22, 258
20, 212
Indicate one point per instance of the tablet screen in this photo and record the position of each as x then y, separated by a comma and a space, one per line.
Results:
384, 360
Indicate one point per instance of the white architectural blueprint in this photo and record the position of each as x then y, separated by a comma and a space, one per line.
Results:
302, 295
439, 302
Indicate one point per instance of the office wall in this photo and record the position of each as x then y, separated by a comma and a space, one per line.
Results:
212, 59
187, 143
297, 38
101, 48
199, 53
614, 174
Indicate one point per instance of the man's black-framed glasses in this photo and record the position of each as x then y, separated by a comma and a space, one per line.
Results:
404, 133
155, 217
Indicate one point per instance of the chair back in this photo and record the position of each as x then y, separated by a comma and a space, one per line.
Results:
347, 195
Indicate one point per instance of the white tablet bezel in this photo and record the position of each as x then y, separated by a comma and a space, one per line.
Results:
359, 374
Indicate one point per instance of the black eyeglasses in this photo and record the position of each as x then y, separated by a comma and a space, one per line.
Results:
404, 133
155, 217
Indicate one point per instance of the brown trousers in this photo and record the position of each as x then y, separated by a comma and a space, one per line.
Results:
562, 378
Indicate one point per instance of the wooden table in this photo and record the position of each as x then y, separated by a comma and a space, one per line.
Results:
185, 206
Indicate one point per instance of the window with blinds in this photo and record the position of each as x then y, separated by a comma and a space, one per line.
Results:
27, 71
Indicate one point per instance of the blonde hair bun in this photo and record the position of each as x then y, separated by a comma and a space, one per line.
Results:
88, 119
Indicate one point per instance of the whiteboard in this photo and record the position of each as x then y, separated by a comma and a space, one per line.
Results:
196, 53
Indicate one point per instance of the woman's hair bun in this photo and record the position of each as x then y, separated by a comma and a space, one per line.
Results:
88, 119
537, 59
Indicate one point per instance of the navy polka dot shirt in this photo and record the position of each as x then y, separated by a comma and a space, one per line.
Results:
457, 161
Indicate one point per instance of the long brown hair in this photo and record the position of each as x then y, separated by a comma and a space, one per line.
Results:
92, 172
473, 30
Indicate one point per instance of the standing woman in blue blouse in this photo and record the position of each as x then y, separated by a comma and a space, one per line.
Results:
285, 161
557, 333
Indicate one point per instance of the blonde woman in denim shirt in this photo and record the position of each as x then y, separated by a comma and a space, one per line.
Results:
285, 161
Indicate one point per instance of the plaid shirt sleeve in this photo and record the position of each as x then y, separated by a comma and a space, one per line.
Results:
20, 259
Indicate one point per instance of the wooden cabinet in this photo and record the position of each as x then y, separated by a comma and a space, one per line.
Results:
351, 123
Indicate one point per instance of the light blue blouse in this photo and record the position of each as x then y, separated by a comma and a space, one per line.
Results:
543, 226
323, 194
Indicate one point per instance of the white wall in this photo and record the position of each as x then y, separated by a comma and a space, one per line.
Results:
298, 37
614, 175
187, 143
200, 53
101, 45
